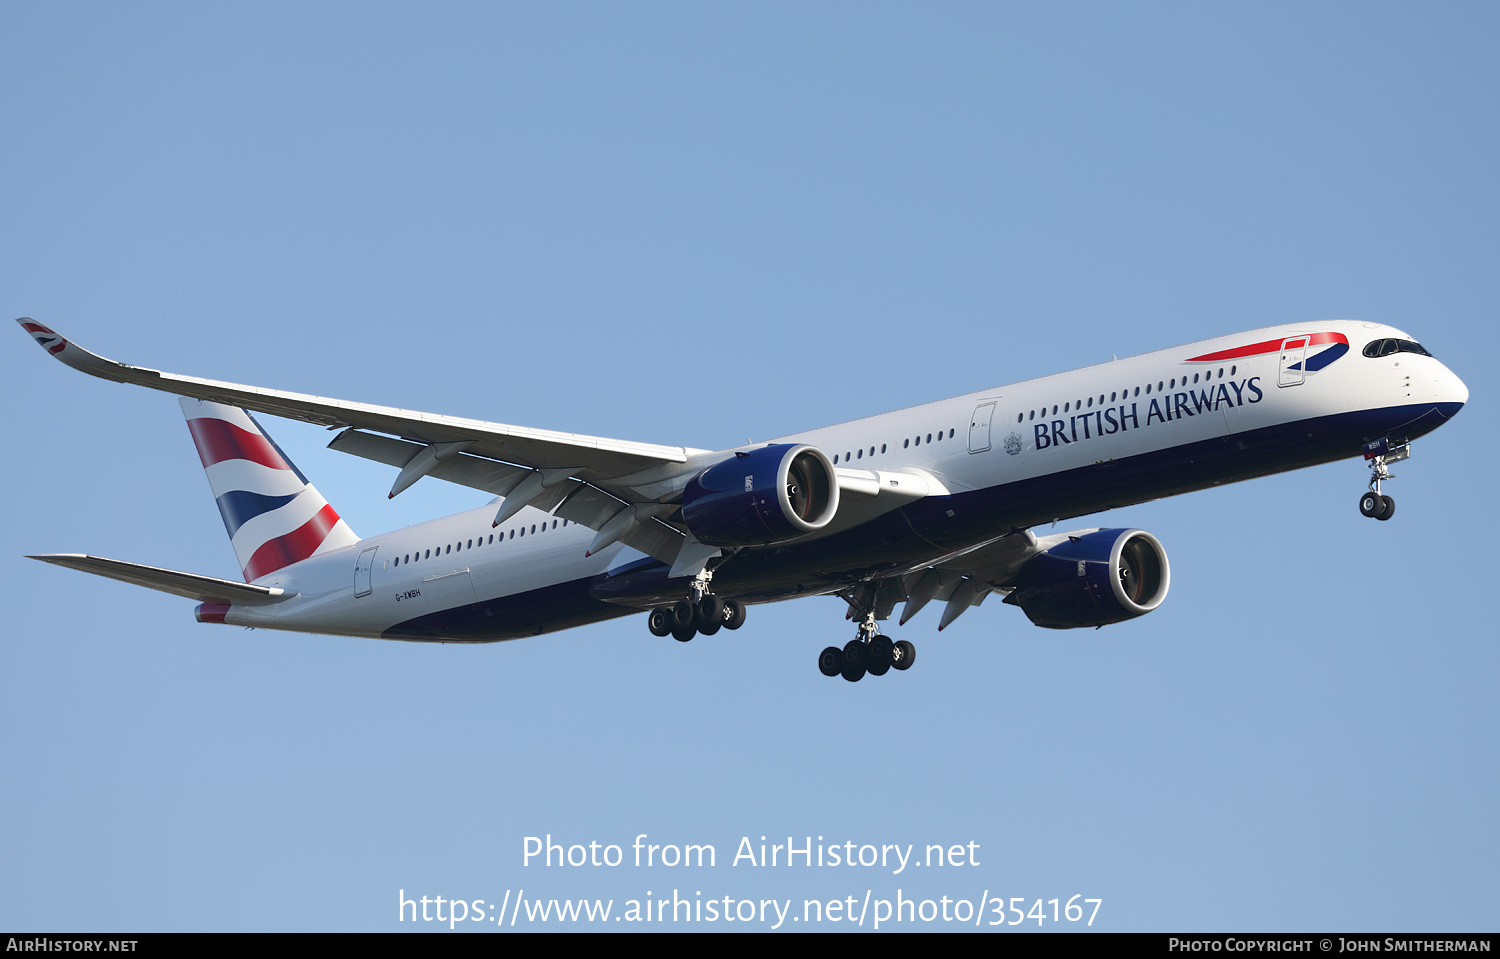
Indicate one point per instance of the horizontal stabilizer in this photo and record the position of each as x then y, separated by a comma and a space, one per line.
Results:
206, 589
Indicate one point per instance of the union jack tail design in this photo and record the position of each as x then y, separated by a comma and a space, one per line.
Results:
273, 515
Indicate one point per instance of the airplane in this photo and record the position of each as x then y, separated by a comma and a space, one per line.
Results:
931, 503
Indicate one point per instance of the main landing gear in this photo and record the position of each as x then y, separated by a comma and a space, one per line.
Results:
1380, 454
702, 612
869, 652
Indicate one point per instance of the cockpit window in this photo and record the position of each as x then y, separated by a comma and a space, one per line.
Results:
1386, 347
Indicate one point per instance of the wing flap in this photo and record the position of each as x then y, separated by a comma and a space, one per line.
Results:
476, 472
205, 589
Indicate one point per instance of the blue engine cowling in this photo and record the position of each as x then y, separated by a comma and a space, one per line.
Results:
1099, 578
773, 494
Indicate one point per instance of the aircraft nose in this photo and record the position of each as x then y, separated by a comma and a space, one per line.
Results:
1452, 393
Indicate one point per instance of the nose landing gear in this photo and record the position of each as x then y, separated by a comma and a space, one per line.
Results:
1380, 454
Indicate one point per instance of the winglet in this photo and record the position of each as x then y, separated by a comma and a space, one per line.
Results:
81, 359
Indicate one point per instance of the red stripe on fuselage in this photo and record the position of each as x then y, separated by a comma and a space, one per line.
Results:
219, 440
294, 547
1266, 346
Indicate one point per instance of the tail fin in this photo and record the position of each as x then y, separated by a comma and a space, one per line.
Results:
273, 515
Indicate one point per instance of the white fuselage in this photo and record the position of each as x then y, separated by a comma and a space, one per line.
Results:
1017, 436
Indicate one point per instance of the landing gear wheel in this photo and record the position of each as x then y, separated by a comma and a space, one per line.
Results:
854, 661
709, 614
903, 654
683, 613
660, 622
1387, 508
734, 614
684, 633
878, 655
831, 661
1371, 504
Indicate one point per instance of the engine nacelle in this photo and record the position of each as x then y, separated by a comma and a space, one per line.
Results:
1103, 577
769, 495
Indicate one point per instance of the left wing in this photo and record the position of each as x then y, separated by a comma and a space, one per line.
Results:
625, 491
588, 457
529, 467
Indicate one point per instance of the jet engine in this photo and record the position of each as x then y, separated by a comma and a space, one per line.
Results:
763, 496
1103, 577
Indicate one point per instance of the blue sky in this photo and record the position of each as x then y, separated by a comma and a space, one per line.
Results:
693, 224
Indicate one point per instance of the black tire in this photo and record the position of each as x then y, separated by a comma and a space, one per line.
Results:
904, 654
660, 621
734, 614
1387, 508
831, 661
684, 633
682, 613
879, 655
709, 614
1371, 504
854, 661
